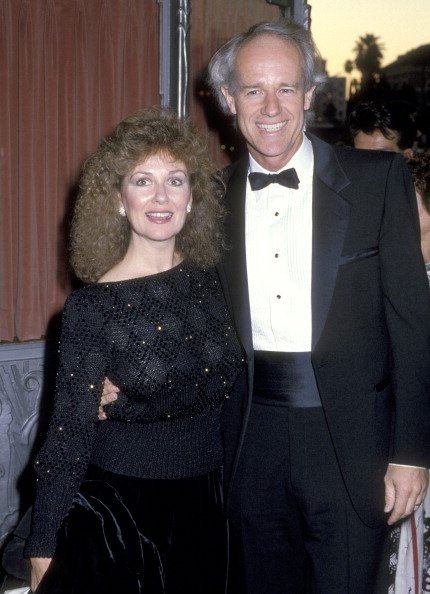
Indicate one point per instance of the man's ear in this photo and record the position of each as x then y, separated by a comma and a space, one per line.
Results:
308, 98
229, 99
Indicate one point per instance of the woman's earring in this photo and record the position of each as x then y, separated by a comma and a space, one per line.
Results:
121, 210
189, 207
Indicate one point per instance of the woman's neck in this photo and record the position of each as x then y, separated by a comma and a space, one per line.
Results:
139, 262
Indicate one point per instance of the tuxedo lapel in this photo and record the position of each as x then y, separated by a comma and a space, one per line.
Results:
234, 266
330, 212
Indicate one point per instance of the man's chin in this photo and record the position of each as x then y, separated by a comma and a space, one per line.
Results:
270, 158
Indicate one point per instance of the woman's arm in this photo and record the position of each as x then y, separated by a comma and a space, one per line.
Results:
62, 462
39, 565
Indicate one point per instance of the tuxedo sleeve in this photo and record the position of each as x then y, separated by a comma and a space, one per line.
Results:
407, 309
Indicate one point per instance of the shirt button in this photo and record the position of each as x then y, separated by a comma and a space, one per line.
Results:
276, 255
278, 296
276, 214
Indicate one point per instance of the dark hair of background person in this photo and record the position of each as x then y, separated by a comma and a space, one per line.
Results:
419, 165
100, 235
393, 116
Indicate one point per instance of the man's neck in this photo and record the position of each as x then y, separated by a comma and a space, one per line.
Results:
292, 161
274, 163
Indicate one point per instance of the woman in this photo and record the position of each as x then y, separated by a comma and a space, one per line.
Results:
147, 517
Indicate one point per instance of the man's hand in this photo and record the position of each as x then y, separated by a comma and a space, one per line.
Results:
405, 489
39, 565
109, 395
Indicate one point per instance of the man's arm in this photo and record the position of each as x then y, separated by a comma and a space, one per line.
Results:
406, 300
124, 408
407, 306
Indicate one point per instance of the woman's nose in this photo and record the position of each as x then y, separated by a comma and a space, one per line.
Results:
161, 195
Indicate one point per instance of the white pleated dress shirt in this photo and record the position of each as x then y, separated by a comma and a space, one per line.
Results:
278, 222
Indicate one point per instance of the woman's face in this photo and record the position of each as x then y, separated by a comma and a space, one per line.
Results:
155, 195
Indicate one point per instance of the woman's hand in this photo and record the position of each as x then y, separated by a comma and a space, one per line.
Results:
39, 565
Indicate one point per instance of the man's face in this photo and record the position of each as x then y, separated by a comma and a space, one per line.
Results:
269, 100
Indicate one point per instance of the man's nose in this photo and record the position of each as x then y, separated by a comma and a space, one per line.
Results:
271, 106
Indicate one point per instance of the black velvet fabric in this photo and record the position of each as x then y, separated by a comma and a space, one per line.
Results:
100, 549
128, 535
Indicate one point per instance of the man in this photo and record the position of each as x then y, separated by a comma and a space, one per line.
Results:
328, 432
328, 435
389, 126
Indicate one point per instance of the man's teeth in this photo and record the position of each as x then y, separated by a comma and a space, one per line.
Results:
271, 127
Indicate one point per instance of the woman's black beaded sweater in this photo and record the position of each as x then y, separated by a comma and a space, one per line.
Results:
167, 341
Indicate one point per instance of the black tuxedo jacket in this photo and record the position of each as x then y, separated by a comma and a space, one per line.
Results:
370, 317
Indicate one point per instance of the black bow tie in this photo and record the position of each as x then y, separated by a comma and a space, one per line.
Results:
287, 178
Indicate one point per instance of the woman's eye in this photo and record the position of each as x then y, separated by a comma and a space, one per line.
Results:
176, 181
142, 181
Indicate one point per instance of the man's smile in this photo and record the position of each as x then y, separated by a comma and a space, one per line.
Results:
272, 127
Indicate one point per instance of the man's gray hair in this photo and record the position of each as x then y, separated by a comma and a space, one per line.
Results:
221, 69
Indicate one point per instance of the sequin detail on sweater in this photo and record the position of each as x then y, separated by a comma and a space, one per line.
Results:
167, 341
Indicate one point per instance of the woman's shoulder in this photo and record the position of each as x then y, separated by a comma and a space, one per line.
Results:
208, 274
88, 295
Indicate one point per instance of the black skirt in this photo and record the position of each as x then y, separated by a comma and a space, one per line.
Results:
126, 535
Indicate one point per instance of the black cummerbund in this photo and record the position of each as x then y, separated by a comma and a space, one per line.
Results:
285, 379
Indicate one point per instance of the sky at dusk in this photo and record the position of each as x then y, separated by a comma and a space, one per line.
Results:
336, 25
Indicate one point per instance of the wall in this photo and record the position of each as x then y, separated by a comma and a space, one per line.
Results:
21, 379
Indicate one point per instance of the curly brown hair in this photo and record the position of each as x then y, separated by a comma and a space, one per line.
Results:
100, 236
419, 165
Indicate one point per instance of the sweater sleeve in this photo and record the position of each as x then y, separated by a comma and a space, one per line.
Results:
62, 461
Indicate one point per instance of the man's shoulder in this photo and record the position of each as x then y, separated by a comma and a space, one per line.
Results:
236, 166
352, 156
359, 172
349, 155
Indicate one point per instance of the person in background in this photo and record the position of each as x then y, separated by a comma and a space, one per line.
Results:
389, 126
133, 504
329, 437
420, 169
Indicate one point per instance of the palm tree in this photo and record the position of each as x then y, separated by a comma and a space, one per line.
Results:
368, 55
